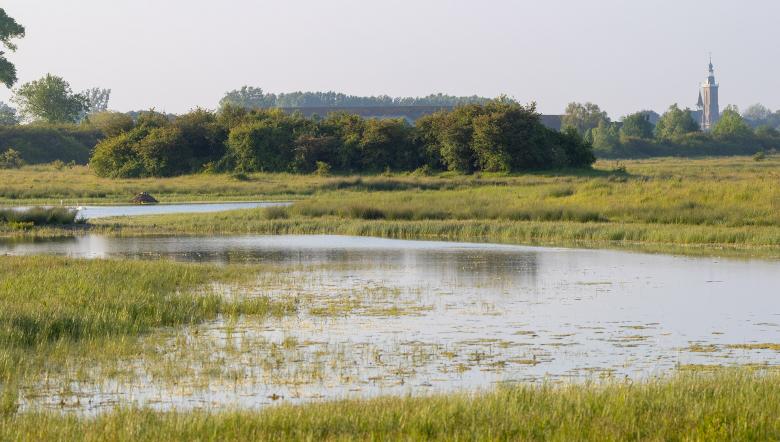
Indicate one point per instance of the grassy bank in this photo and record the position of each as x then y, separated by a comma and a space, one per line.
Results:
761, 242
727, 405
709, 206
713, 206
46, 184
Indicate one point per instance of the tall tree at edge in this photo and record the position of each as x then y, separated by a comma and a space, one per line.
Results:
9, 30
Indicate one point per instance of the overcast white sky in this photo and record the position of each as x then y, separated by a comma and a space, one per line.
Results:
624, 55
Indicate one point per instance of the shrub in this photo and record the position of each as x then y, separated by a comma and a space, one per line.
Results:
39, 216
111, 124
323, 169
497, 136
11, 159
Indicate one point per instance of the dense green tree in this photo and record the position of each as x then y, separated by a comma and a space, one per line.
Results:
675, 122
606, 136
11, 159
111, 124
385, 144
9, 30
510, 137
498, 136
637, 125
230, 116
164, 152
8, 115
151, 119
50, 99
348, 129
731, 125
155, 145
203, 134
583, 117
576, 152
117, 157
311, 150
265, 145
456, 133
427, 131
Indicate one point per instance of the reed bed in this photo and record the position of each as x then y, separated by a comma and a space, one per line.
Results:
46, 299
39, 216
55, 310
724, 405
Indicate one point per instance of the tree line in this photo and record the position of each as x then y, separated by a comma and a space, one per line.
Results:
499, 135
252, 97
675, 133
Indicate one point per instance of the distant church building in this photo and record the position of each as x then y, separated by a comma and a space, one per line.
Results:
708, 109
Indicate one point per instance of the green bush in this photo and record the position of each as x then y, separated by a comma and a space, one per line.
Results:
498, 136
323, 169
11, 159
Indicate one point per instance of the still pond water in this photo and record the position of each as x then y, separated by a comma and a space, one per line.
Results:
94, 212
382, 316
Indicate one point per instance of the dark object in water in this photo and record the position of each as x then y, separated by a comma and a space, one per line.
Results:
144, 198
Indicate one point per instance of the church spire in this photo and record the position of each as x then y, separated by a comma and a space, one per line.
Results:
708, 100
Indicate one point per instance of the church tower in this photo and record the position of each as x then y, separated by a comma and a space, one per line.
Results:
708, 101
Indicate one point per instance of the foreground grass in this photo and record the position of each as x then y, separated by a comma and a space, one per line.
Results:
727, 405
54, 311
45, 299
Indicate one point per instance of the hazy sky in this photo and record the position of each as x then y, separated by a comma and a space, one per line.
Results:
624, 55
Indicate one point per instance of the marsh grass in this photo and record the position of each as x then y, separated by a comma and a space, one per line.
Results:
45, 299
39, 216
723, 405
747, 241
704, 206
56, 310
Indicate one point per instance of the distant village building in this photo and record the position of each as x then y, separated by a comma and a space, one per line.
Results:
708, 109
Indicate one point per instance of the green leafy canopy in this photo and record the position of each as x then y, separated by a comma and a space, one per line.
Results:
9, 30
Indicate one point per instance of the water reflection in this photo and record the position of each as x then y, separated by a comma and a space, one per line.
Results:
94, 212
436, 316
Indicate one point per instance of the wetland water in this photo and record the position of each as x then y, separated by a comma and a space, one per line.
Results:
94, 212
383, 316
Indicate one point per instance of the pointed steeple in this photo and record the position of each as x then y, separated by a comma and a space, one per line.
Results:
711, 74
708, 100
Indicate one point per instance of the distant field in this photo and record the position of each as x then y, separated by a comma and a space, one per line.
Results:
667, 204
